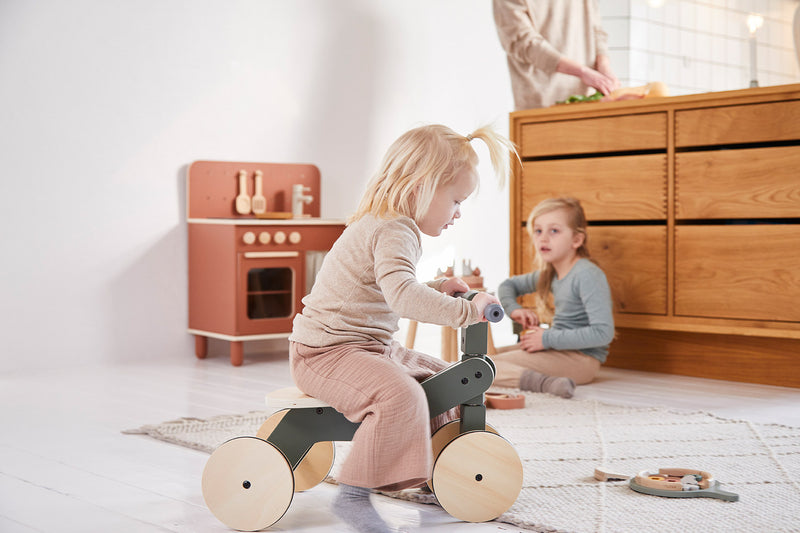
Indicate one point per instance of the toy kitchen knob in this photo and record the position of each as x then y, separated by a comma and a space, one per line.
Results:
264, 237
249, 237
295, 237
279, 237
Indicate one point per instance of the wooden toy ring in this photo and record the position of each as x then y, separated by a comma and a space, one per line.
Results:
668, 482
497, 400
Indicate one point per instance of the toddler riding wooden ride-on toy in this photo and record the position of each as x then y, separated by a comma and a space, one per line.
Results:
248, 482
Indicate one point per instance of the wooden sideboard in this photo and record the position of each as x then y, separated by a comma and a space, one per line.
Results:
693, 205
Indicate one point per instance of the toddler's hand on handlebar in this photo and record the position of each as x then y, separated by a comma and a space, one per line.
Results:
482, 300
453, 286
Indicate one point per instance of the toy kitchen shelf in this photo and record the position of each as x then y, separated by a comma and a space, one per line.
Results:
249, 271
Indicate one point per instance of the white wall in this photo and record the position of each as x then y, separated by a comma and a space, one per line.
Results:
700, 45
103, 104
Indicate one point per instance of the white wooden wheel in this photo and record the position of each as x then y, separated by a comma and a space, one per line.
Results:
317, 463
248, 484
477, 476
444, 435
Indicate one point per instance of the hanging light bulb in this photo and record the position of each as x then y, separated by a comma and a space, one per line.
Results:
754, 21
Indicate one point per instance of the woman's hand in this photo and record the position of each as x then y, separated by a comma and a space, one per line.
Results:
601, 81
598, 80
531, 341
452, 286
525, 318
603, 65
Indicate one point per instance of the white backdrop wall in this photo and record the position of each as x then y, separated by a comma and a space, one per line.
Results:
104, 103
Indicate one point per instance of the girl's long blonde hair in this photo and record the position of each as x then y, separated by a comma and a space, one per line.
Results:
422, 160
576, 219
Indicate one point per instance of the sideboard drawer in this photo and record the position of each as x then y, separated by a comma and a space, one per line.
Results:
738, 271
774, 121
595, 135
630, 187
754, 183
634, 259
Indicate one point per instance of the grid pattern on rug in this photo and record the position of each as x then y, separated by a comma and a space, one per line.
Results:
561, 442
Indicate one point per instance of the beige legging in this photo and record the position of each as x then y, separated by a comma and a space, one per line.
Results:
512, 360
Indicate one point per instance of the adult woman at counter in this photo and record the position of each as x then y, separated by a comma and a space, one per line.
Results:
555, 49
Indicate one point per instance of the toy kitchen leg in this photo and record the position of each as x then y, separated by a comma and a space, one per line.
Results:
201, 349
200, 346
237, 353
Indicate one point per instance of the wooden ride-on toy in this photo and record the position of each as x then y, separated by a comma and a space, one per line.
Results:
248, 482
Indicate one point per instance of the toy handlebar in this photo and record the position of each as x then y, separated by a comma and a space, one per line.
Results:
492, 313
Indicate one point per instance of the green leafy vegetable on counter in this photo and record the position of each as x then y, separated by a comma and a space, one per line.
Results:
580, 98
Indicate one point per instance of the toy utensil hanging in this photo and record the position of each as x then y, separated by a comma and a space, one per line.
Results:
258, 200
680, 483
242, 202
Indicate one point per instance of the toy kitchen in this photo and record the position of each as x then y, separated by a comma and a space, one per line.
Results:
256, 241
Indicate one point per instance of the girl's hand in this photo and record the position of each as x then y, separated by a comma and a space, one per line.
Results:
526, 318
532, 340
451, 286
482, 299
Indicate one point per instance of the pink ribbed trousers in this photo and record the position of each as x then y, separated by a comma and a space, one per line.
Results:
378, 386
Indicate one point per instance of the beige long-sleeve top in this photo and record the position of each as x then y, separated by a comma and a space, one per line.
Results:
368, 282
535, 35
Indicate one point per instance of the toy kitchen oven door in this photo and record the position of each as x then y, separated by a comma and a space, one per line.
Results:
255, 244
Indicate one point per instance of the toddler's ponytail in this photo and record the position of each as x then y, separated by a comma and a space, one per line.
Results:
500, 149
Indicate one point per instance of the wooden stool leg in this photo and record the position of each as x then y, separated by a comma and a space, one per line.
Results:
200, 346
490, 349
411, 336
445, 344
449, 344
453, 345
237, 353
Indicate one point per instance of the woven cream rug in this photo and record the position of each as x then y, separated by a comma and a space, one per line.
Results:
561, 442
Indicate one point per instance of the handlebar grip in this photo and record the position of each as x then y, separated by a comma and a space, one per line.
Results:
494, 313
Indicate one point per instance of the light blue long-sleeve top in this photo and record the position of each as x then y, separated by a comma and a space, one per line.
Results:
583, 318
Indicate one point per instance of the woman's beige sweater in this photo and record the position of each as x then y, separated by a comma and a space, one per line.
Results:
535, 35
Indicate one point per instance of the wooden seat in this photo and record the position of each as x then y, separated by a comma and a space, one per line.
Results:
292, 397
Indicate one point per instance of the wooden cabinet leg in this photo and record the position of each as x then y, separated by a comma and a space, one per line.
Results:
200, 346
237, 353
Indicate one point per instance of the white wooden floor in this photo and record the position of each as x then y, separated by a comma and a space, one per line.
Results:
65, 466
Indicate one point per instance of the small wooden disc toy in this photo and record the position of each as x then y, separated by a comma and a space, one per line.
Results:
500, 400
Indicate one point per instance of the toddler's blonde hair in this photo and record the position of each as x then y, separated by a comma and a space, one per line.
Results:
422, 160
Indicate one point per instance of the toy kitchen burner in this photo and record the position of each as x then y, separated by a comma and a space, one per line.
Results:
255, 244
